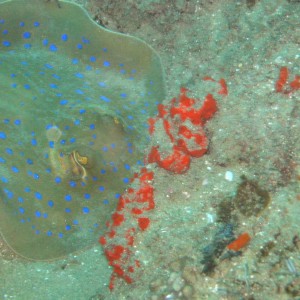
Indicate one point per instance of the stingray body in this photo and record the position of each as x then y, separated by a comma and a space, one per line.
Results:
74, 101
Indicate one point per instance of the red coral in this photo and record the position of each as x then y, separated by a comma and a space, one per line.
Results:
183, 125
282, 80
281, 85
223, 85
240, 242
129, 217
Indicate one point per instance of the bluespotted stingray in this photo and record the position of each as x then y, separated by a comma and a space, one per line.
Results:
74, 102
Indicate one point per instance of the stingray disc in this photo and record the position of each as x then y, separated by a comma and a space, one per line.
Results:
75, 99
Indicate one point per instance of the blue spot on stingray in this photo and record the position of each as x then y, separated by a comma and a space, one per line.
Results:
57, 180
2, 135
64, 37
38, 196
48, 66
26, 35
53, 48
127, 167
85, 210
68, 197
106, 64
4, 179
50, 203
130, 150
9, 151
27, 189
9, 193
63, 102
79, 75
102, 84
105, 99
126, 180
29, 161
72, 183
15, 169
6, 43
80, 92
53, 85
85, 40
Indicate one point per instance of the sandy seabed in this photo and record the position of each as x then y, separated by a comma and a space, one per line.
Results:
254, 134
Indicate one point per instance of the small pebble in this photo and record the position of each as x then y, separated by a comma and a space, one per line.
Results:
229, 175
178, 284
188, 291
155, 285
176, 265
190, 274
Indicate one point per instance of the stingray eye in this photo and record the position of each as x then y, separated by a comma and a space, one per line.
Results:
83, 160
